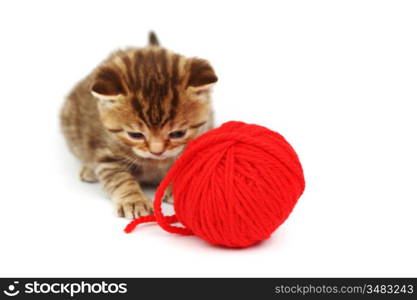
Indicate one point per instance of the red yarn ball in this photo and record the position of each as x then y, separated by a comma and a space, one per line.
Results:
232, 186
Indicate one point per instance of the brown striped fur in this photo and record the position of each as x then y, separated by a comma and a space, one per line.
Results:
151, 91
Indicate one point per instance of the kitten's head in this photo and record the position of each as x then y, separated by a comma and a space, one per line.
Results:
154, 100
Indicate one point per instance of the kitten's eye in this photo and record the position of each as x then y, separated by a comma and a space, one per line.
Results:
136, 135
177, 134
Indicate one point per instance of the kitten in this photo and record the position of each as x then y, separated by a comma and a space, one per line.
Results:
132, 117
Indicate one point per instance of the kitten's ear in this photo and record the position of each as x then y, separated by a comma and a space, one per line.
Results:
153, 40
202, 78
107, 85
201, 73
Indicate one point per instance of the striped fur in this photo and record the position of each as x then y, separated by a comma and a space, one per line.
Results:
151, 91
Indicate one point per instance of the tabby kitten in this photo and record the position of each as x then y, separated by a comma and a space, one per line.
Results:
133, 115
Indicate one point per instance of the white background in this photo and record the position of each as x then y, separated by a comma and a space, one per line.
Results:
336, 78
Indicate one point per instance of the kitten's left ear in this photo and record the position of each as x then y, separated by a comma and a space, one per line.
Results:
107, 85
201, 78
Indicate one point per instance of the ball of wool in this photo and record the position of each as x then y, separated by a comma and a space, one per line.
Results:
233, 186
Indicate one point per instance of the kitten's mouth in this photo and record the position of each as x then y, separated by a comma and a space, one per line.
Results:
166, 155
158, 157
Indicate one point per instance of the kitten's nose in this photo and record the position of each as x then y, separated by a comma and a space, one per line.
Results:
156, 147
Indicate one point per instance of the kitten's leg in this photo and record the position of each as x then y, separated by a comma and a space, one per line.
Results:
168, 198
124, 190
87, 174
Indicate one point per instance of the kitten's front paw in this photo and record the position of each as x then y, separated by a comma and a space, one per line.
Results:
168, 198
134, 207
